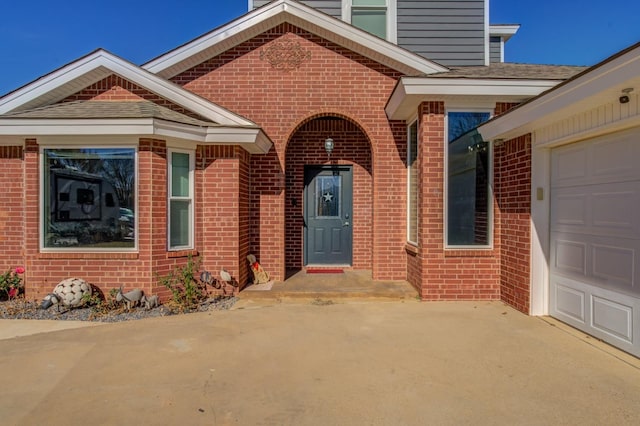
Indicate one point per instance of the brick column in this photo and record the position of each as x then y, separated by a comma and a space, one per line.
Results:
222, 200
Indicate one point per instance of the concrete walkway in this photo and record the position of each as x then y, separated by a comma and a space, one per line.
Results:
317, 363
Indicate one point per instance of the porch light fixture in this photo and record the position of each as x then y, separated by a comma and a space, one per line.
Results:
328, 146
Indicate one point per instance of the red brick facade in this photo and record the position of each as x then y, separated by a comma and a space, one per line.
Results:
334, 82
513, 198
253, 203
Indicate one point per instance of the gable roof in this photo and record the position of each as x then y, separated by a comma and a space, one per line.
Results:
33, 110
307, 18
98, 65
605, 82
107, 109
498, 82
511, 70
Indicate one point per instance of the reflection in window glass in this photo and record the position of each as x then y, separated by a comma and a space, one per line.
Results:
181, 168
89, 198
467, 181
180, 174
328, 195
371, 16
412, 178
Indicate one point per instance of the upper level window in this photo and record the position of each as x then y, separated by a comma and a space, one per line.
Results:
468, 181
89, 198
375, 16
181, 172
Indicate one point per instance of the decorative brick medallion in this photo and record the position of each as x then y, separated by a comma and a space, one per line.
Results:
285, 55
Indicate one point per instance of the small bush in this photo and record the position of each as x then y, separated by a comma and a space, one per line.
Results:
187, 292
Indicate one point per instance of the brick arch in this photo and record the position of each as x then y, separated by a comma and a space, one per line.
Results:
305, 145
328, 114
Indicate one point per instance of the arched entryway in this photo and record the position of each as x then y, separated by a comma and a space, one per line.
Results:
329, 198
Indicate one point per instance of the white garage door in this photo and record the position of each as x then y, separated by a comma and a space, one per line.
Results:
595, 238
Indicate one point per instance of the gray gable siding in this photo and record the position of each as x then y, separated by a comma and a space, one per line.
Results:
330, 7
495, 54
448, 32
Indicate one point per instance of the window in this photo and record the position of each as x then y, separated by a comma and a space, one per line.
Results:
84, 192
181, 169
375, 16
468, 181
412, 183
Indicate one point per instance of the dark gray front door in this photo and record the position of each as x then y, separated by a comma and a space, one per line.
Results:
328, 202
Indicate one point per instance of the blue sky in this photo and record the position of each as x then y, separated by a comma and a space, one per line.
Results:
38, 36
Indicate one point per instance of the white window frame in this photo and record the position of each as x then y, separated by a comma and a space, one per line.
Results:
417, 218
71, 144
490, 195
190, 197
392, 17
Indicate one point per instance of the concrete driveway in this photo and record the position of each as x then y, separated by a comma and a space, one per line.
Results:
315, 363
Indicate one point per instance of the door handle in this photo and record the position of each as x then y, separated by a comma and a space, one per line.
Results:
346, 223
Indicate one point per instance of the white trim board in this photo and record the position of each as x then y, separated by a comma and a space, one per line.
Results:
277, 12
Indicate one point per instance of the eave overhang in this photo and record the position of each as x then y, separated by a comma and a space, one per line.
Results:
504, 31
84, 72
600, 84
250, 138
278, 12
410, 92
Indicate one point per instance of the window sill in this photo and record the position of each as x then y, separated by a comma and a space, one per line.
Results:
181, 253
411, 249
470, 252
88, 255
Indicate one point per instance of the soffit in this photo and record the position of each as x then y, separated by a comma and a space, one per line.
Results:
603, 83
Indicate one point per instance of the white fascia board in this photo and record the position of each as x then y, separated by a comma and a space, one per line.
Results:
112, 64
52, 81
569, 98
41, 127
307, 18
254, 140
503, 31
411, 91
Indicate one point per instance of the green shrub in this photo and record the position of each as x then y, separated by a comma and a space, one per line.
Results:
187, 292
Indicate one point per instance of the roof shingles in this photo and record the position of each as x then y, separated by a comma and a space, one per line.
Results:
509, 70
107, 109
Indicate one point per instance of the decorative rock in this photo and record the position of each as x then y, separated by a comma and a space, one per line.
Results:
71, 291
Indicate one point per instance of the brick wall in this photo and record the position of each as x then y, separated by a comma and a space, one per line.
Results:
447, 274
222, 217
334, 82
513, 195
222, 223
12, 208
307, 147
116, 88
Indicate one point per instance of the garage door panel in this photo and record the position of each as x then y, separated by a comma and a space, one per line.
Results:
613, 318
615, 266
611, 158
569, 165
615, 158
609, 262
570, 257
595, 237
569, 301
602, 313
606, 209
570, 210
